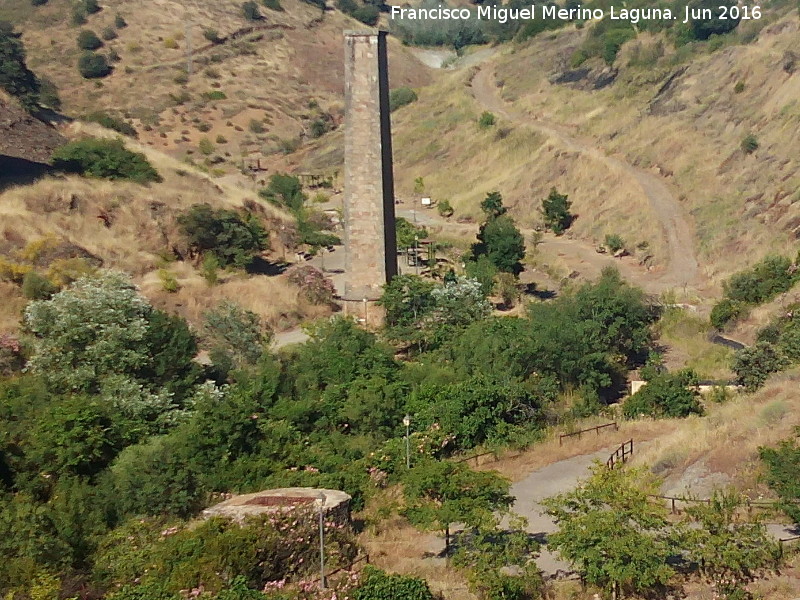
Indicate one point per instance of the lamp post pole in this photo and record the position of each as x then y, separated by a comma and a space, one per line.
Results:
416, 253
321, 541
407, 423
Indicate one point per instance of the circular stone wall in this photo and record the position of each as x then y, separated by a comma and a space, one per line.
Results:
335, 503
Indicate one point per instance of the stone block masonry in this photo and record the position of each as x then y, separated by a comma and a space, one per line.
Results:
369, 218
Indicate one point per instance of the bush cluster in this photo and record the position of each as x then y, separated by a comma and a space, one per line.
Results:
108, 159
760, 283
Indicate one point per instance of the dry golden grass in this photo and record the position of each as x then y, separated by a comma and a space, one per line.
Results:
728, 438
394, 545
274, 299
743, 206
141, 234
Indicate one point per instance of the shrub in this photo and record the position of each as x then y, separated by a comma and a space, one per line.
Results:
763, 281
221, 139
209, 268
79, 15
170, 43
232, 239
36, 287
93, 66
486, 120
256, 126
444, 208
318, 128
614, 242
109, 33
285, 191
88, 40
212, 35
367, 14
169, 283
401, 97
38, 2
272, 5
749, 143
206, 146
108, 159
250, 11
666, 395
725, 311
120, 22
111, 122
379, 585
739, 87
91, 6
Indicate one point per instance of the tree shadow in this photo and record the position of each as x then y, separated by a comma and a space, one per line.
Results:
20, 171
261, 266
531, 289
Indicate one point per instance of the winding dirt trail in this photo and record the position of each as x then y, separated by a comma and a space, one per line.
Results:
682, 268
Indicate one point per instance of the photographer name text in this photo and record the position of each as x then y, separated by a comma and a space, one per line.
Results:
533, 12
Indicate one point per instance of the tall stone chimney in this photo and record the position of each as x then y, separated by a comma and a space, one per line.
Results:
369, 219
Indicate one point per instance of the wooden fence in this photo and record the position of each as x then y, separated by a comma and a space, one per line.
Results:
582, 431
674, 502
621, 454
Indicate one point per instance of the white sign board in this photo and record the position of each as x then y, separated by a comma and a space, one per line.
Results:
426, 202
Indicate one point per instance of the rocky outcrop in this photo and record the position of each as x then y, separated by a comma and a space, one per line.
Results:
23, 136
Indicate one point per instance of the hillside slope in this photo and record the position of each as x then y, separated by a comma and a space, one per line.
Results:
268, 86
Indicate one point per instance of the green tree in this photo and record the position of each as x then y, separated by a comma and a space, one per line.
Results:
15, 77
407, 300
702, 29
107, 159
783, 474
476, 410
755, 364
492, 205
614, 534
408, 233
502, 243
143, 473
440, 493
556, 212
236, 331
100, 328
731, 547
233, 239
75, 437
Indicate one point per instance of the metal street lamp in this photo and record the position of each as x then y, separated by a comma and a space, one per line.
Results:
321, 540
407, 423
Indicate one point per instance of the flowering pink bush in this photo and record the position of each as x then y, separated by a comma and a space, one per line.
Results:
313, 283
11, 359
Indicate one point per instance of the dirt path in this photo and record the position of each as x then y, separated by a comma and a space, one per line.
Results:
682, 266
